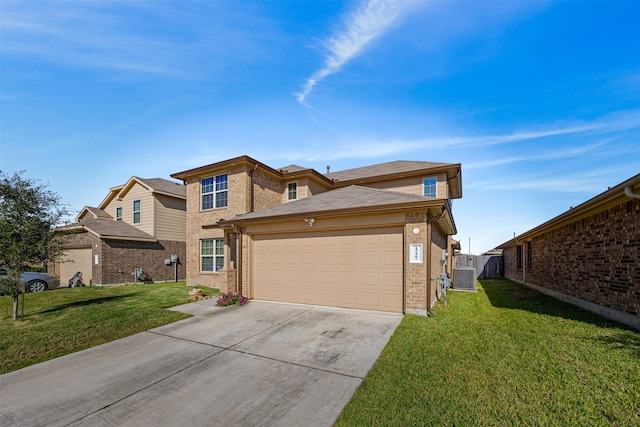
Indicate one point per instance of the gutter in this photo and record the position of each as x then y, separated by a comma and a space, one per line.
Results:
628, 191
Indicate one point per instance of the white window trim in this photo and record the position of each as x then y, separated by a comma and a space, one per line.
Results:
214, 192
214, 256
134, 211
119, 218
297, 191
435, 185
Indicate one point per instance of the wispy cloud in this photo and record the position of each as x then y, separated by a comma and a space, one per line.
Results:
591, 180
359, 29
131, 36
350, 146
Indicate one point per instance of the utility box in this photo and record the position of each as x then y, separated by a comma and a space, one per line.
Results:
464, 278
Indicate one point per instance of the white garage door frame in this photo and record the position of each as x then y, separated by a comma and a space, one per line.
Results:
356, 268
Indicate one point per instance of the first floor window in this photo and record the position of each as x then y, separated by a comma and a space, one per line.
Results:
519, 257
136, 211
211, 254
429, 186
292, 191
118, 214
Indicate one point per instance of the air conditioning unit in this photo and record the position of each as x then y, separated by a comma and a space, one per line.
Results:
464, 278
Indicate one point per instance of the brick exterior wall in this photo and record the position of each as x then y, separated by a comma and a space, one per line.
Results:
121, 255
416, 285
595, 259
267, 192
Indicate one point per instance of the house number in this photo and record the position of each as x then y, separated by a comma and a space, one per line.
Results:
415, 253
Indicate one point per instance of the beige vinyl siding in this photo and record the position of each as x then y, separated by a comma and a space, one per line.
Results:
412, 185
111, 208
171, 216
138, 192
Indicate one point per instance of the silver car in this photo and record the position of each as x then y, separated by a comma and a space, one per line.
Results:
36, 282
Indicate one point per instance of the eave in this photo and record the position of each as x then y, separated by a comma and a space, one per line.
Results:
431, 203
615, 196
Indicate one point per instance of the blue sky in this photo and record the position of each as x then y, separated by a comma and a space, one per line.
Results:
539, 101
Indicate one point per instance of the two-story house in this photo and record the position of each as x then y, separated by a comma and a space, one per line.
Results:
375, 237
136, 229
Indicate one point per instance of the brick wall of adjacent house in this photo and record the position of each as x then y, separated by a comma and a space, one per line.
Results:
119, 255
120, 258
595, 259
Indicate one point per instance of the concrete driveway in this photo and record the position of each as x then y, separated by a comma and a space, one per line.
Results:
264, 364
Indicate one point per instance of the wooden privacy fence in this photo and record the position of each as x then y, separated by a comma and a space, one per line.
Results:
487, 266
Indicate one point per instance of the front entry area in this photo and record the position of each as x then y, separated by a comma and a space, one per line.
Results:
343, 268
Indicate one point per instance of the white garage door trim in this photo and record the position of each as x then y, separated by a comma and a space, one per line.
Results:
360, 268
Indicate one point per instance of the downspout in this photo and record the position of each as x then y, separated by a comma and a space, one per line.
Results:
427, 252
238, 232
251, 188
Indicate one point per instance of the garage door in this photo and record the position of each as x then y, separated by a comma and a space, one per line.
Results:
78, 260
354, 269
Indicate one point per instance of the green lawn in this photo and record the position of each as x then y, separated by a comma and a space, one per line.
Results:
505, 356
63, 321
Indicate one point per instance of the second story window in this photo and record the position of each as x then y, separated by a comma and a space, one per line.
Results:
119, 214
292, 191
136, 211
429, 186
214, 192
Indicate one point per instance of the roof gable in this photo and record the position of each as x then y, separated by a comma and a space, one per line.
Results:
89, 212
153, 185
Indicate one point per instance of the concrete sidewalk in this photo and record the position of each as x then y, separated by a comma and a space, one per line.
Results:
264, 364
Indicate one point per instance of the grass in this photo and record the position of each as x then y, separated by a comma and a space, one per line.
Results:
63, 321
505, 356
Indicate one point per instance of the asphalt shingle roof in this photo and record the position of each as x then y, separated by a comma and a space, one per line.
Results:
382, 169
165, 186
115, 230
350, 197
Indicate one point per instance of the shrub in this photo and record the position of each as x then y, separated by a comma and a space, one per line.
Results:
231, 298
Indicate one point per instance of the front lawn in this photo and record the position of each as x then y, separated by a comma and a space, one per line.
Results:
506, 356
63, 321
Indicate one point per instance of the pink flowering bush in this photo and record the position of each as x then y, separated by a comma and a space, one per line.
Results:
231, 298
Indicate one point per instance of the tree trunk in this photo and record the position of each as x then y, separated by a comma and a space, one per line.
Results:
15, 306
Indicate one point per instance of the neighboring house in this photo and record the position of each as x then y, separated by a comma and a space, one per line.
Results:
375, 237
136, 228
588, 256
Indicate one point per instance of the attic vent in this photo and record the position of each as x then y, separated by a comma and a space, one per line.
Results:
464, 278
328, 168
